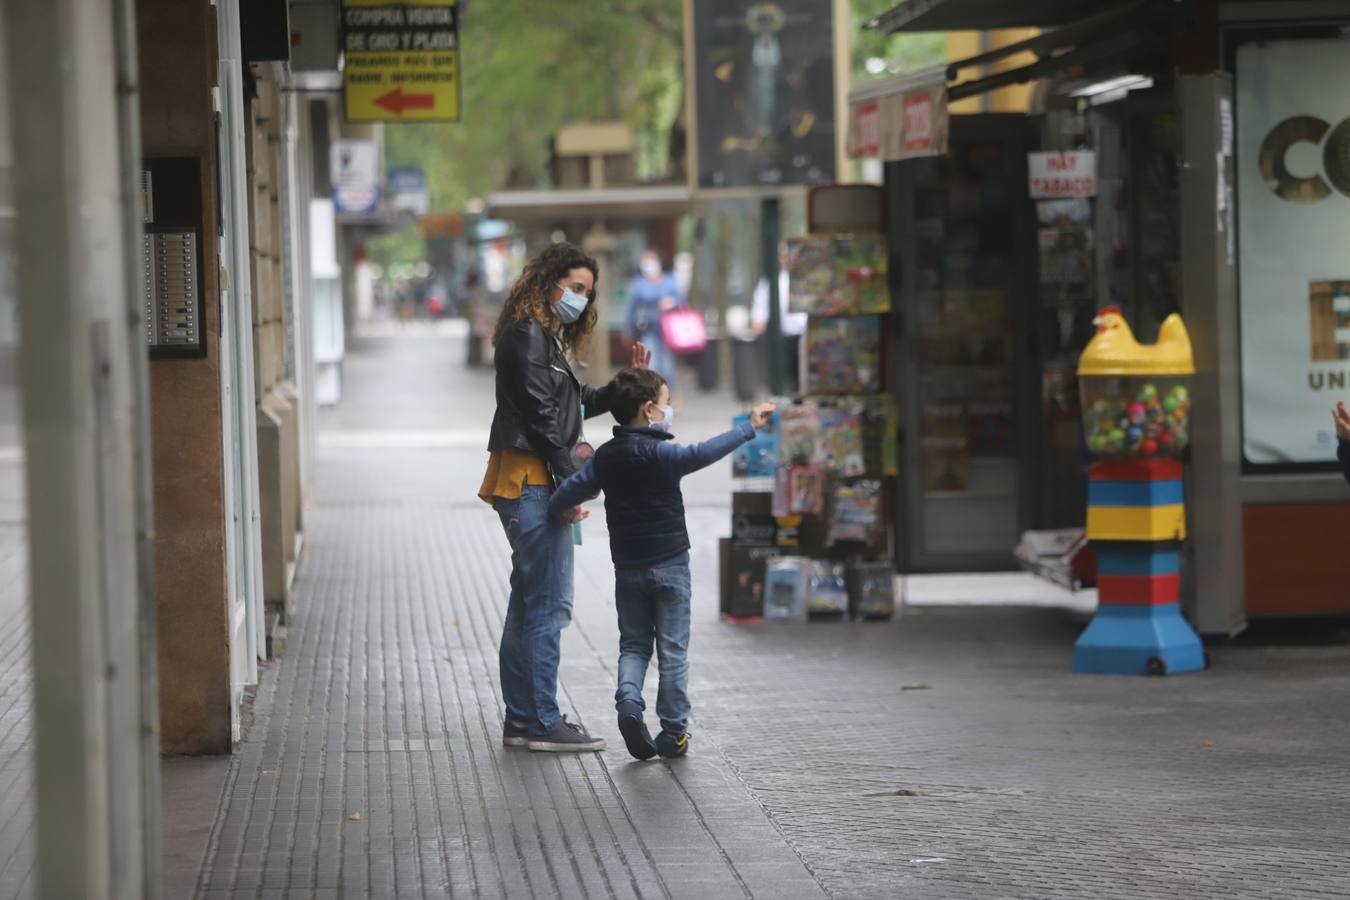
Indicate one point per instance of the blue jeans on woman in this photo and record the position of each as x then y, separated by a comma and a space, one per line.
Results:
539, 609
653, 605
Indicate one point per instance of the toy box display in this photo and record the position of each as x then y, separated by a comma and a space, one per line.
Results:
759, 458
839, 275
785, 589
799, 490
826, 589
855, 512
748, 567
840, 447
843, 356
810, 268
1136, 400
872, 589
828, 451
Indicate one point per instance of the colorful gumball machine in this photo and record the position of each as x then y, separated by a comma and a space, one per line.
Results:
1136, 418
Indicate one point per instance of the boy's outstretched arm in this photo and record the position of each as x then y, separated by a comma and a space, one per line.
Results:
575, 491
684, 460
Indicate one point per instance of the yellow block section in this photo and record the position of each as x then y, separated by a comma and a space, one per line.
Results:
1137, 523
405, 86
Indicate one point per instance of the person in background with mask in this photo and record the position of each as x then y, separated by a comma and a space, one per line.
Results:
655, 292
548, 314
640, 472
1342, 418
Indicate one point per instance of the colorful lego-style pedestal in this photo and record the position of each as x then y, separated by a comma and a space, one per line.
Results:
1136, 522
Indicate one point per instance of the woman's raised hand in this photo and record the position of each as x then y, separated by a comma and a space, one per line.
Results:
640, 357
1342, 417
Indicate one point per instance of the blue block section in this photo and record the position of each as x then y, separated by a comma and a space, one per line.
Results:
1137, 561
1135, 493
1121, 640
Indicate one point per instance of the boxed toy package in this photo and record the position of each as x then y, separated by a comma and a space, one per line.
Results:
872, 589
759, 458
843, 356
785, 589
826, 589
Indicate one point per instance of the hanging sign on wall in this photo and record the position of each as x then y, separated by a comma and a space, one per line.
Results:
400, 60
1062, 176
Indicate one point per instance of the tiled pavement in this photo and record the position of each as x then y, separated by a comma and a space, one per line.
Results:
947, 754
16, 679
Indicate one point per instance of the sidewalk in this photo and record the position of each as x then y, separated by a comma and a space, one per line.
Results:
947, 754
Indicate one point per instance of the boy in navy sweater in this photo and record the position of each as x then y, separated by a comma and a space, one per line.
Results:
639, 472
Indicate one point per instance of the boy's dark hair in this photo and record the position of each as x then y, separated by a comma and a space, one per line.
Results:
630, 389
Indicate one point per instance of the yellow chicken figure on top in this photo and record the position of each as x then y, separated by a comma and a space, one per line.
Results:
1135, 399
1114, 351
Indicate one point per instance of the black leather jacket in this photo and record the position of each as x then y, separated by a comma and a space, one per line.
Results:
539, 398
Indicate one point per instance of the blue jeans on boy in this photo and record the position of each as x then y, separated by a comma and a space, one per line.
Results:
539, 609
653, 607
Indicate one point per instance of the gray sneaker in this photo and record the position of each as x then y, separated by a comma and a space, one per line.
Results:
515, 732
566, 737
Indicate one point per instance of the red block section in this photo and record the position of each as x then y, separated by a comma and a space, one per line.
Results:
1135, 470
1138, 590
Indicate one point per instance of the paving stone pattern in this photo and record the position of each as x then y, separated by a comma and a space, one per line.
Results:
947, 754
17, 832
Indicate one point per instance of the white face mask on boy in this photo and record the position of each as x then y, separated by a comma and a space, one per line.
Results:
663, 423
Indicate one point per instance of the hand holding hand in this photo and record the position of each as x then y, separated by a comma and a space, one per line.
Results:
1341, 416
759, 415
574, 515
640, 357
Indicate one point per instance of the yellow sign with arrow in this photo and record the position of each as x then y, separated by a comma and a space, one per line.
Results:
401, 60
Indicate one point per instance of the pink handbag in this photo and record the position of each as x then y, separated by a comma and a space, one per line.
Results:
684, 331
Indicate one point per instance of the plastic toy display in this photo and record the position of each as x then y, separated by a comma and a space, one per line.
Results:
785, 589
842, 275
1136, 408
1136, 397
1137, 415
759, 458
843, 356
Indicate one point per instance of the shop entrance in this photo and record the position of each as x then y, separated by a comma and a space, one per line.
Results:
962, 235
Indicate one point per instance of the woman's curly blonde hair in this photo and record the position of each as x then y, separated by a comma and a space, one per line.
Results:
531, 297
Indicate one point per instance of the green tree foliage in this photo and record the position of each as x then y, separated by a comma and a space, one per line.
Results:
528, 68
899, 52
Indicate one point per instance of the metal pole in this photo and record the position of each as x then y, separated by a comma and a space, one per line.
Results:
768, 240
79, 405
129, 145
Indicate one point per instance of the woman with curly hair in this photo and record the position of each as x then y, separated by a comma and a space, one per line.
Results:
548, 315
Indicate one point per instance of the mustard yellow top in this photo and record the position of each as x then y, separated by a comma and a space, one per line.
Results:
508, 471
1114, 351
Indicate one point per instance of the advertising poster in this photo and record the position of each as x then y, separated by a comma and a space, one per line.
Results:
1293, 182
355, 168
764, 92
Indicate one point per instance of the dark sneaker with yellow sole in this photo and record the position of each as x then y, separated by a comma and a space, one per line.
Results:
635, 734
672, 746
515, 732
